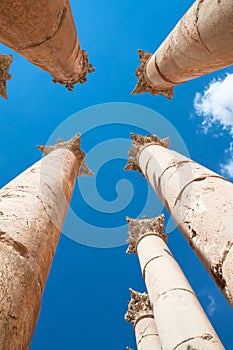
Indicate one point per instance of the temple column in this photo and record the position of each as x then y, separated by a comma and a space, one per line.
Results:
199, 44
45, 33
180, 319
199, 200
32, 210
140, 314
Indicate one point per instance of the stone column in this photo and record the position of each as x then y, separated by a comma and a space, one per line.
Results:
5, 62
199, 200
180, 319
199, 44
32, 210
140, 314
44, 33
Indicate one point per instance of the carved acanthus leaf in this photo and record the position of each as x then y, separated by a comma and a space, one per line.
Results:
143, 84
139, 306
143, 227
82, 77
138, 142
72, 145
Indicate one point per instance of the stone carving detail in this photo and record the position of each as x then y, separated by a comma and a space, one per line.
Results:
138, 142
139, 306
72, 145
143, 84
143, 227
82, 78
5, 62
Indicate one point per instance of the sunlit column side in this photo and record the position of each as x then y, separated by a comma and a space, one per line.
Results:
140, 314
200, 43
45, 33
180, 319
32, 210
199, 200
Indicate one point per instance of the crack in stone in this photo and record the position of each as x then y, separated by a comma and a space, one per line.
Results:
205, 336
198, 32
217, 269
200, 178
149, 261
143, 336
49, 37
170, 290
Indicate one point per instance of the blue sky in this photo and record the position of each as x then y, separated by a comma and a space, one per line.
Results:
87, 291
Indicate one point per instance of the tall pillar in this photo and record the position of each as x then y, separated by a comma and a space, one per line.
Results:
45, 33
199, 44
140, 314
199, 200
179, 317
32, 210
5, 62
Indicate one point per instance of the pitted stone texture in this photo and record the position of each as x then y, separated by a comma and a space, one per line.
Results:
195, 46
20, 295
139, 306
32, 211
143, 227
200, 202
45, 34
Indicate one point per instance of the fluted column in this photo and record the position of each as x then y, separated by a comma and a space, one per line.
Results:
44, 32
200, 43
180, 319
5, 62
140, 314
32, 210
199, 200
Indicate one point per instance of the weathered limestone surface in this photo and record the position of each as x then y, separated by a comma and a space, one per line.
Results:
199, 200
44, 33
199, 44
140, 314
32, 210
5, 62
180, 319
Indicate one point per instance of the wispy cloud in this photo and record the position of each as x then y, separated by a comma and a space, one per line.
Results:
215, 106
211, 306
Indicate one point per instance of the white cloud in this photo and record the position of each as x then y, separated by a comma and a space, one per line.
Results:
212, 306
227, 168
215, 104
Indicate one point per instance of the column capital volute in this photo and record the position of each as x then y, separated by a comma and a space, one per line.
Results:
72, 145
139, 142
138, 229
138, 307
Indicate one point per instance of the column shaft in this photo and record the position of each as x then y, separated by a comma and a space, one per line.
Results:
179, 317
140, 314
199, 44
32, 210
44, 33
201, 203
147, 335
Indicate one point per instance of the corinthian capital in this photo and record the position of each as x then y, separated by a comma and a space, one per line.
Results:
138, 142
143, 227
138, 307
